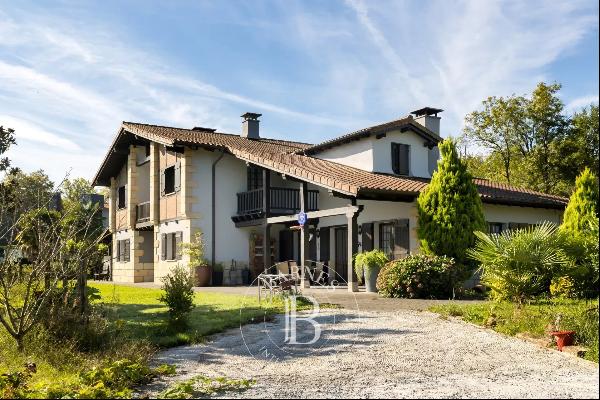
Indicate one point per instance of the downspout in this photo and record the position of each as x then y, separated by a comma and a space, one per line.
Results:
213, 244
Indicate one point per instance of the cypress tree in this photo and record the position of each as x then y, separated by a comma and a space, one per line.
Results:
582, 207
449, 208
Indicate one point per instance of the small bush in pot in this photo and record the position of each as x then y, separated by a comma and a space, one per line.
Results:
179, 294
419, 276
202, 272
369, 263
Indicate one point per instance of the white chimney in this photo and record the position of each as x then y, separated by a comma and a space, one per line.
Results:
428, 117
250, 125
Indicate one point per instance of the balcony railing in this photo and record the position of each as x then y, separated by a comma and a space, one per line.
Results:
283, 201
143, 212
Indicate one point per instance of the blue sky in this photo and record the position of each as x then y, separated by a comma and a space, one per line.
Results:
71, 71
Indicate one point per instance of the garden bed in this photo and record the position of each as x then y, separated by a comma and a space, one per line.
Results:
534, 320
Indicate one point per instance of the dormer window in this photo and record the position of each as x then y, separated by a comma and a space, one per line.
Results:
401, 158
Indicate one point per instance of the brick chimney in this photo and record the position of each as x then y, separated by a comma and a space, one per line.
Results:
250, 125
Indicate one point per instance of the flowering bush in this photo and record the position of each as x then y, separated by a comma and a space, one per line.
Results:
418, 276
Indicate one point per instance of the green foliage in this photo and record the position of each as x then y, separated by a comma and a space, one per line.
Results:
531, 143
582, 207
195, 250
365, 261
204, 386
520, 264
562, 287
534, 318
449, 209
418, 276
179, 294
7, 138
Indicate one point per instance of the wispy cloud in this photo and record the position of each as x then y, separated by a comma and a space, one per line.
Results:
581, 102
67, 81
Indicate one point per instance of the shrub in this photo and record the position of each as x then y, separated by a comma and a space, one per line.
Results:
582, 204
179, 294
450, 209
520, 264
418, 276
562, 287
367, 260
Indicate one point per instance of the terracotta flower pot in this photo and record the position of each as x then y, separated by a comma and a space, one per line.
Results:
563, 338
202, 275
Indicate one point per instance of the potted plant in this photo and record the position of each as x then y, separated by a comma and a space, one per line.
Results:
369, 264
217, 274
201, 271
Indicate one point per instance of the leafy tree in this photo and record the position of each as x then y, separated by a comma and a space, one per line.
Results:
7, 138
578, 149
546, 125
449, 209
583, 204
499, 127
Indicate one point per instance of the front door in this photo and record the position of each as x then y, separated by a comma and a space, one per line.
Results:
286, 245
341, 253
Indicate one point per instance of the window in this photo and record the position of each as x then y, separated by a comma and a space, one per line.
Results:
123, 250
170, 179
254, 177
400, 158
495, 227
171, 246
121, 200
394, 239
518, 225
386, 239
147, 148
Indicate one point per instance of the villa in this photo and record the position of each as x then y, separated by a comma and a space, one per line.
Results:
243, 191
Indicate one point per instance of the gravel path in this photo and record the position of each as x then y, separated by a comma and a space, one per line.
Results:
390, 355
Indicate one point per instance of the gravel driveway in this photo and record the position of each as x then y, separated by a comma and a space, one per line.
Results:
391, 355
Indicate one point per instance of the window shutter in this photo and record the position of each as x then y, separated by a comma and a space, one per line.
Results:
178, 240
127, 250
177, 179
118, 255
125, 196
162, 182
163, 246
170, 240
367, 236
404, 162
395, 158
401, 239
121, 250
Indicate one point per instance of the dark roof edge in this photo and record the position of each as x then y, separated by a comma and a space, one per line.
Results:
367, 132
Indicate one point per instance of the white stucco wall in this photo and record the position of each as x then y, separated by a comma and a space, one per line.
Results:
231, 242
374, 155
529, 215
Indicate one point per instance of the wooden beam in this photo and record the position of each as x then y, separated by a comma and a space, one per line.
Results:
304, 235
267, 212
316, 214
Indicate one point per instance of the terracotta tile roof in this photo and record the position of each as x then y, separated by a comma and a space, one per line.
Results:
287, 157
405, 122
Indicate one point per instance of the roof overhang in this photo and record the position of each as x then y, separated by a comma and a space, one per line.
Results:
404, 125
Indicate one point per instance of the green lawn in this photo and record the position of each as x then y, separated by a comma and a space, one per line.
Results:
533, 319
139, 321
142, 315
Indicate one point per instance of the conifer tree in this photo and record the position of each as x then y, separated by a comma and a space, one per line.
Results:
582, 207
450, 208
